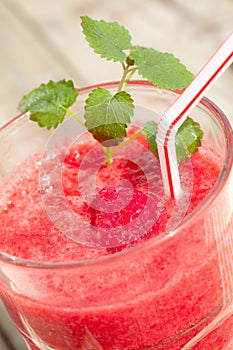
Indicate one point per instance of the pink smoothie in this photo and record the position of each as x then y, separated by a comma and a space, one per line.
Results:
122, 298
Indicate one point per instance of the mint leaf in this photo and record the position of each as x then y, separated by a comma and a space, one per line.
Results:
162, 69
150, 130
46, 103
188, 138
107, 116
108, 39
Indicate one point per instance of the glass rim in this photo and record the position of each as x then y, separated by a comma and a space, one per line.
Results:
226, 127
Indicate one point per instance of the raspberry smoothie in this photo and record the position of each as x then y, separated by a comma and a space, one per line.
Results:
155, 290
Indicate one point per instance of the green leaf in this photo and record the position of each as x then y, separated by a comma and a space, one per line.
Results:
162, 69
107, 116
108, 39
150, 129
188, 138
46, 103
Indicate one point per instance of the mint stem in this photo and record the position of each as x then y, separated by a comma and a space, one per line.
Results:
110, 151
73, 115
125, 142
126, 76
131, 71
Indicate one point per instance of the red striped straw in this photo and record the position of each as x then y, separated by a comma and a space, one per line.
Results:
177, 113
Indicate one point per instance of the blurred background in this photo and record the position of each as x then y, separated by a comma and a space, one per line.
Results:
42, 40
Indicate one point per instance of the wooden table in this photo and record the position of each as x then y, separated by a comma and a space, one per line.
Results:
42, 40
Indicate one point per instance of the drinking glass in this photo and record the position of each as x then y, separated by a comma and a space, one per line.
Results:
172, 292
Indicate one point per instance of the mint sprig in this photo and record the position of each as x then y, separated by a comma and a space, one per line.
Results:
107, 116
47, 105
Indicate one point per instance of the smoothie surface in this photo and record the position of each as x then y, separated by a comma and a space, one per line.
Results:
29, 233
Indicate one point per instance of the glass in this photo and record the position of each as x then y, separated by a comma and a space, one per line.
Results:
172, 292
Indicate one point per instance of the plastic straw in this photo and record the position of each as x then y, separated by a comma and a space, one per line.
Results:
177, 113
